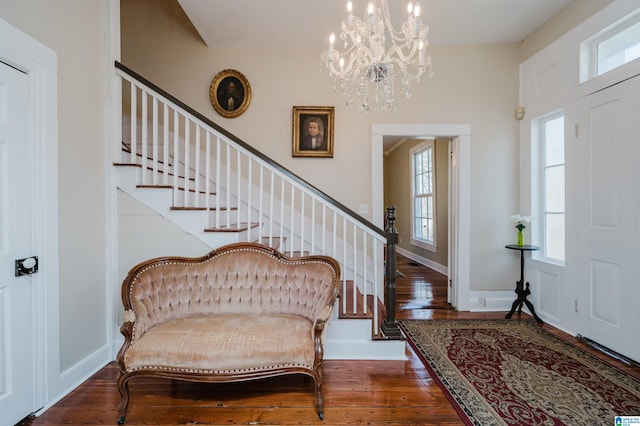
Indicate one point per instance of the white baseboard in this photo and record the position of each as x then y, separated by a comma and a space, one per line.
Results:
491, 301
424, 261
74, 376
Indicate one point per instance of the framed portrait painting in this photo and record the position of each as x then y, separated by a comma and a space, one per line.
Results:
230, 93
313, 131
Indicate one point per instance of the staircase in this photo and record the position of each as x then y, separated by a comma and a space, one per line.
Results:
220, 190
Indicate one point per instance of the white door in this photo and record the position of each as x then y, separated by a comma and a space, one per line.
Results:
607, 164
16, 323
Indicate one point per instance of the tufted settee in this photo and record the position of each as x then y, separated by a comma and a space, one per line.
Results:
241, 312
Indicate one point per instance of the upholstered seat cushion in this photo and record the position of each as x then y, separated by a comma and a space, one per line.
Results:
224, 343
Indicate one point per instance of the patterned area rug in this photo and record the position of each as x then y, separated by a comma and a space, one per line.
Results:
506, 372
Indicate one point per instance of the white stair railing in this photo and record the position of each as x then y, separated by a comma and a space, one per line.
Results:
241, 189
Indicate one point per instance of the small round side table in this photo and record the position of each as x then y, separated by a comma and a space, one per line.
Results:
521, 290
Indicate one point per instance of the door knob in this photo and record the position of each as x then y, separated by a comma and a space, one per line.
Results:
26, 266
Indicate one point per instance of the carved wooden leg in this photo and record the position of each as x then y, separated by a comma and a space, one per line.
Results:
318, 391
517, 304
123, 388
530, 305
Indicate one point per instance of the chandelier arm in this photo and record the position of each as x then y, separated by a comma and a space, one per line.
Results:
406, 71
353, 58
400, 53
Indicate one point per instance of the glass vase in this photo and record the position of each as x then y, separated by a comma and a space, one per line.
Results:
520, 237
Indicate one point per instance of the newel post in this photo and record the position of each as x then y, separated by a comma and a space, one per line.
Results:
389, 325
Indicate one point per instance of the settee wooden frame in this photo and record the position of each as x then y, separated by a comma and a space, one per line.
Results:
135, 323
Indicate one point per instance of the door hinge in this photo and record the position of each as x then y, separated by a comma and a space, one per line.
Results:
575, 129
575, 304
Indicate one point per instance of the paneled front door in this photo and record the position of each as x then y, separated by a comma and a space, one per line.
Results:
608, 168
17, 379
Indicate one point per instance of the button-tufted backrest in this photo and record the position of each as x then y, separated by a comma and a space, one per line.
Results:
238, 278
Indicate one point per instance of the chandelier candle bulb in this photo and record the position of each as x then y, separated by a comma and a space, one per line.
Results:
371, 19
417, 23
332, 39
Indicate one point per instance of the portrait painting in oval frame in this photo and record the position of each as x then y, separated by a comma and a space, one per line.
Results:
230, 93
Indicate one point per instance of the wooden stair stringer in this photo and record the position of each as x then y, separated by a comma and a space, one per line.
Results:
191, 219
160, 200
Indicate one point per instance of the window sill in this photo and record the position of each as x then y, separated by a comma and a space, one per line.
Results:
424, 245
553, 263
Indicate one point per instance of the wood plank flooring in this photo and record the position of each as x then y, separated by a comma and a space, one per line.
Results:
355, 392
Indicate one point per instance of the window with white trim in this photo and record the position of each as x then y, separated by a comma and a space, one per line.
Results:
423, 195
611, 48
551, 197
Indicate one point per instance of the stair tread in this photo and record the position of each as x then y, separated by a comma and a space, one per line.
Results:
276, 242
179, 208
155, 186
179, 188
234, 227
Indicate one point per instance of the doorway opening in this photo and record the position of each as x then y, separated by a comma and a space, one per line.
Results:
459, 194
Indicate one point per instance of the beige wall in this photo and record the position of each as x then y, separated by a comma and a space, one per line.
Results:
397, 192
476, 85
75, 30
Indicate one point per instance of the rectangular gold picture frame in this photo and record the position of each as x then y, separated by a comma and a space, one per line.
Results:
313, 131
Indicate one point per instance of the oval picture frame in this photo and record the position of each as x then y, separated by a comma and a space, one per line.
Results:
230, 93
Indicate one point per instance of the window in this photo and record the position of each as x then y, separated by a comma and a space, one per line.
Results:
551, 197
613, 47
423, 188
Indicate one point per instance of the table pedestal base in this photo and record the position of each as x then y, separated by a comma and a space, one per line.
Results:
523, 293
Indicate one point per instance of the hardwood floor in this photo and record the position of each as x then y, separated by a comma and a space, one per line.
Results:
355, 392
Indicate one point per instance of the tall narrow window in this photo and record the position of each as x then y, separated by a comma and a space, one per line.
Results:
423, 195
552, 186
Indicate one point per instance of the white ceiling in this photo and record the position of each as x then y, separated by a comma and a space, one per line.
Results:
308, 23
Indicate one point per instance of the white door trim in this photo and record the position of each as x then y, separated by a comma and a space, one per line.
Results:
113, 129
40, 63
461, 190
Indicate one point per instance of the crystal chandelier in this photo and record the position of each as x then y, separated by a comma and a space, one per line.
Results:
366, 61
